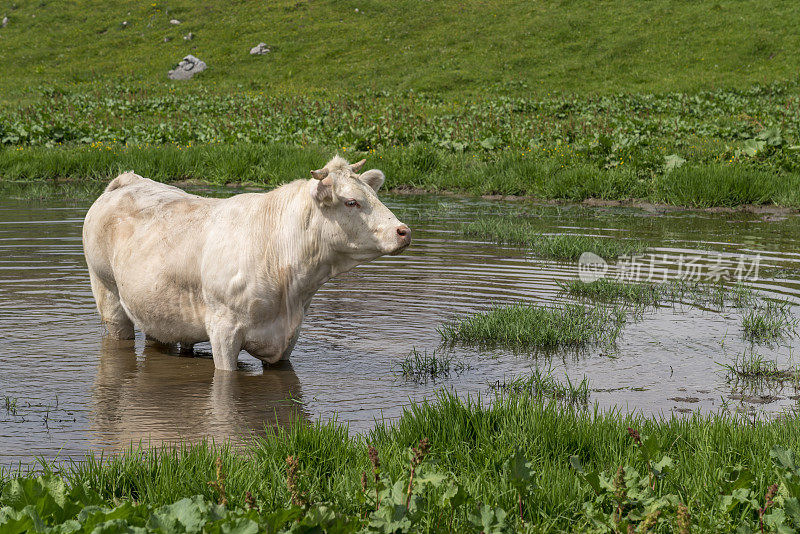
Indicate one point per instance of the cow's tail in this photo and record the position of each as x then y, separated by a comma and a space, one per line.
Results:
126, 178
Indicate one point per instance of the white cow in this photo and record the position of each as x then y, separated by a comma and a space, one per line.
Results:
239, 272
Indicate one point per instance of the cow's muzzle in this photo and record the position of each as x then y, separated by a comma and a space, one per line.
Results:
404, 238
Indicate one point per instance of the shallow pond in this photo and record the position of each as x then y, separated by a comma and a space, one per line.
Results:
65, 390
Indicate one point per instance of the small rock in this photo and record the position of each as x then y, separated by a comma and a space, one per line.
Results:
174, 22
259, 50
124, 23
188, 37
4, 23
187, 68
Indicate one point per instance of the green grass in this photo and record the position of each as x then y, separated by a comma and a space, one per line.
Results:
608, 290
510, 230
645, 294
763, 320
528, 325
769, 321
10, 405
448, 47
754, 367
472, 444
568, 148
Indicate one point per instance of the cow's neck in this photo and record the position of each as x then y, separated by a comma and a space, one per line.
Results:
303, 261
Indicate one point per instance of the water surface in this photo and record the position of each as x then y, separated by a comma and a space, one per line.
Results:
70, 391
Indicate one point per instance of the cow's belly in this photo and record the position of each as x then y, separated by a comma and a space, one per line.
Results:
167, 314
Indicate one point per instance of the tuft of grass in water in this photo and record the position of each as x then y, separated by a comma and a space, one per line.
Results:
528, 325
769, 321
11, 405
608, 290
510, 230
755, 367
542, 384
421, 366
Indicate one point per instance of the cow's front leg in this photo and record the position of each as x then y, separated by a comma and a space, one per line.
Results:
226, 342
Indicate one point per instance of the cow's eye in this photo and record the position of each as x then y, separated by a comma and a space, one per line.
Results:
352, 203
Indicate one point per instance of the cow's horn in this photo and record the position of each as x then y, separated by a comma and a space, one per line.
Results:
355, 167
319, 174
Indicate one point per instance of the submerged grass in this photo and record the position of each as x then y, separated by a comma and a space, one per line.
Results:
420, 366
543, 384
473, 443
510, 230
527, 325
643, 294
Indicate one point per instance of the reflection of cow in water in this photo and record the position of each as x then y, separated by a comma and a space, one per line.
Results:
163, 397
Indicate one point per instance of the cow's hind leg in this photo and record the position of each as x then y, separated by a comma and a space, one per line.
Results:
226, 343
117, 323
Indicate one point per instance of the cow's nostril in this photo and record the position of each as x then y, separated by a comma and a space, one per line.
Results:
403, 231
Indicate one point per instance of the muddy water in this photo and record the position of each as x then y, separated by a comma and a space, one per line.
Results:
65, 390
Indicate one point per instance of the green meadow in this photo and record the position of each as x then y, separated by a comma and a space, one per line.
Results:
669, 102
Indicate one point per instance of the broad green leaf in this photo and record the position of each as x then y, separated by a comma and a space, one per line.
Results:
673, 161
187, 515
48, 495
17, 521
239, 525
429, 477
490, 520
520, 471
454, 496
783, 458
116, 526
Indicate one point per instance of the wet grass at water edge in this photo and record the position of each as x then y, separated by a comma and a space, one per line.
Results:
521, 461
648, 294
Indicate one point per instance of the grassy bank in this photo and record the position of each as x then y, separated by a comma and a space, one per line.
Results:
722, 148
27, 172
484, 467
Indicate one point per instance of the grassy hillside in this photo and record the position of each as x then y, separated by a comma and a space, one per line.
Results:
457, 48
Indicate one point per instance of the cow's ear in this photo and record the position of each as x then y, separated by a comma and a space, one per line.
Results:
322, 190
373, 178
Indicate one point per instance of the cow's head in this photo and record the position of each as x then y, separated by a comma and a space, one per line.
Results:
358, 224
